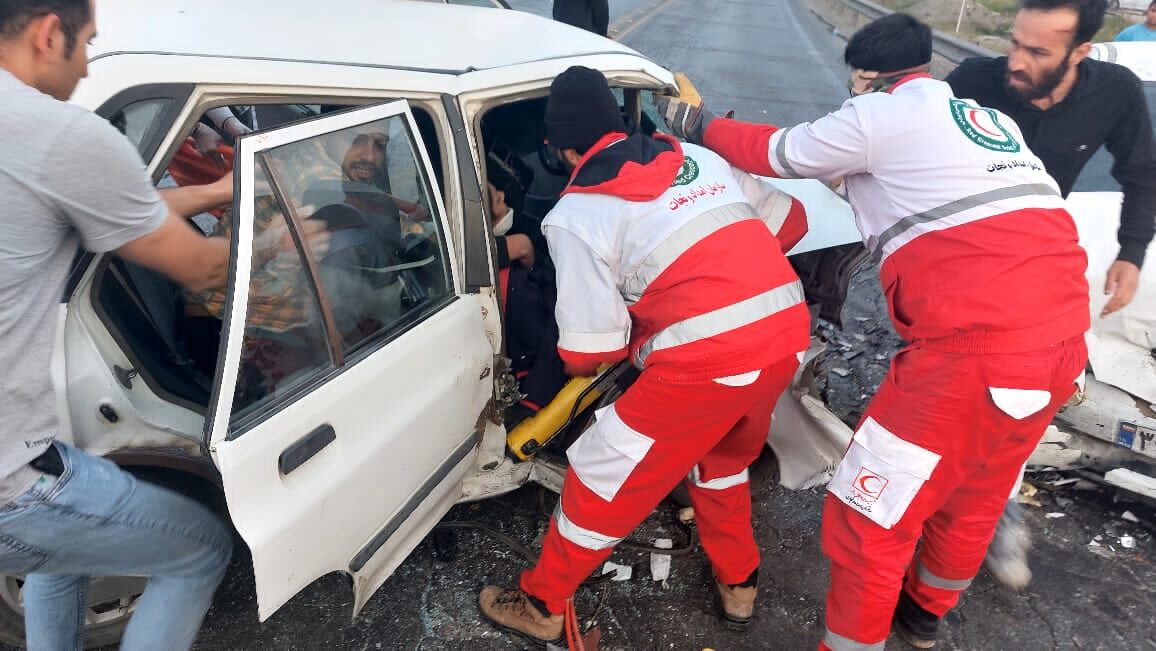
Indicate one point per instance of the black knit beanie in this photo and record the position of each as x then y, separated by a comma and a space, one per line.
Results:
581, 109
889, 44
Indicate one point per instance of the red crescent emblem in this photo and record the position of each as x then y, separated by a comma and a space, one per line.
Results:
971, 118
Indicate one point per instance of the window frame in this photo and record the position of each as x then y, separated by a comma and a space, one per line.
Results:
255, 145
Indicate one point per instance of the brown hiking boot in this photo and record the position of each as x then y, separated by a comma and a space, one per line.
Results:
736, 603
516, 612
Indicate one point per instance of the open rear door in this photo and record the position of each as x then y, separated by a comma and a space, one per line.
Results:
354, 368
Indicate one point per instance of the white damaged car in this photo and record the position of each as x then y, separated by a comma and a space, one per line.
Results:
338, 424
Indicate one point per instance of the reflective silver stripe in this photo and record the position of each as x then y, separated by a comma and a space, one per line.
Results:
958, 206
679, 242
719, 483
781, 153
582, 537
936, 581
724, 319
839, 643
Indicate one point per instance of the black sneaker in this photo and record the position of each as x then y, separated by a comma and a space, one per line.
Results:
913, 624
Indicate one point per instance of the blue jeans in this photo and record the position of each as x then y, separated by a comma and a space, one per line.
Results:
96, 519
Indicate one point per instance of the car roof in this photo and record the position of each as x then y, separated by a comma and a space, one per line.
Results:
379, 33
1137, 56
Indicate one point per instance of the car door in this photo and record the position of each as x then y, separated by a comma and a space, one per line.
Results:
355, 367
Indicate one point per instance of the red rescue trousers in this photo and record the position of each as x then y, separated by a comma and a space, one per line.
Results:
657, 434
938, 451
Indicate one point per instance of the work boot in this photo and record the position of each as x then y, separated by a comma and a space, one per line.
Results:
516, 612
1007, 556
736, 602
913, 624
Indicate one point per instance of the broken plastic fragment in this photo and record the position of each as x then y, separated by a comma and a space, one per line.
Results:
1127, 542
660, 563
1129, 517
1055, 515
621, 572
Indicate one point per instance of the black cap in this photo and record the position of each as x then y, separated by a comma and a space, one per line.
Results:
581, 109
889, 44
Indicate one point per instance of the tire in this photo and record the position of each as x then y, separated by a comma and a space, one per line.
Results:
112, 600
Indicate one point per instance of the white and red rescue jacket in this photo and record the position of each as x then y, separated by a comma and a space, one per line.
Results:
977, 251
667, 254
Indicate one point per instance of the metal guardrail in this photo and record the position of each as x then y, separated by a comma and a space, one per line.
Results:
949, 47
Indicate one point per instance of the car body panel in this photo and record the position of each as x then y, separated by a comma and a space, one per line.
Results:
349, 33
393, 438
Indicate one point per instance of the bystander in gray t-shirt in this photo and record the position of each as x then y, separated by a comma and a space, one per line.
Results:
67, 177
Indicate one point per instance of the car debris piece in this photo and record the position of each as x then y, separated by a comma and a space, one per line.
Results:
686, 514
1128, 516
660, 563
1055, 515
1132, 481
1027, 494
621, 572
841, 372
1127, 542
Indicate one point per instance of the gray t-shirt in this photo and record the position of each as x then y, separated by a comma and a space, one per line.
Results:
67, 177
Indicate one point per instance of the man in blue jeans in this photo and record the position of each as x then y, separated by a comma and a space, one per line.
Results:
69, 179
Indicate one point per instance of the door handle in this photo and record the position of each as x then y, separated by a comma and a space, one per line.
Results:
305, 447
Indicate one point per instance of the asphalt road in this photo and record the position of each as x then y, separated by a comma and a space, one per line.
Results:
769, 60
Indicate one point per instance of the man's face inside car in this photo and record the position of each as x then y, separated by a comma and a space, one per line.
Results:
365, 159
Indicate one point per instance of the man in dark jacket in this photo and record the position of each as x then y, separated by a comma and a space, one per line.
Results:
527, 284
1067, 107
590, 15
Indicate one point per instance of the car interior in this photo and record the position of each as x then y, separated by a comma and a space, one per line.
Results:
146, 312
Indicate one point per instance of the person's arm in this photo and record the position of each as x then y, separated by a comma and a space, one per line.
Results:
515, 247
593, 323
1131, 144
97, 180
784, 214
835, 145
190, 200
181, 253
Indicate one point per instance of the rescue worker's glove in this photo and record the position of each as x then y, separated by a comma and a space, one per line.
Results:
685, 120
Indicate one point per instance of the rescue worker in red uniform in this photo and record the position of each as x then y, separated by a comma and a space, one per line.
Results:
668, 255
984, 277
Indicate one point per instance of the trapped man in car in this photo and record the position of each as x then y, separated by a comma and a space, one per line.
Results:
984, 276
663, 255
1067, 107
526, 279
69, 179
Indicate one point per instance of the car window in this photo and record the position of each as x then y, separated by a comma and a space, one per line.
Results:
650, 118
384, 260
285, 341
137, 120
1097, 174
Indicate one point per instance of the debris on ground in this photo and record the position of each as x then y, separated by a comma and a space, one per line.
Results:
1027, 494
660, 563
1128, 516
1055, 515
686, 514
621, 572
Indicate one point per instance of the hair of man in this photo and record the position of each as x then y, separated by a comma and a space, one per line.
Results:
1089, 15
